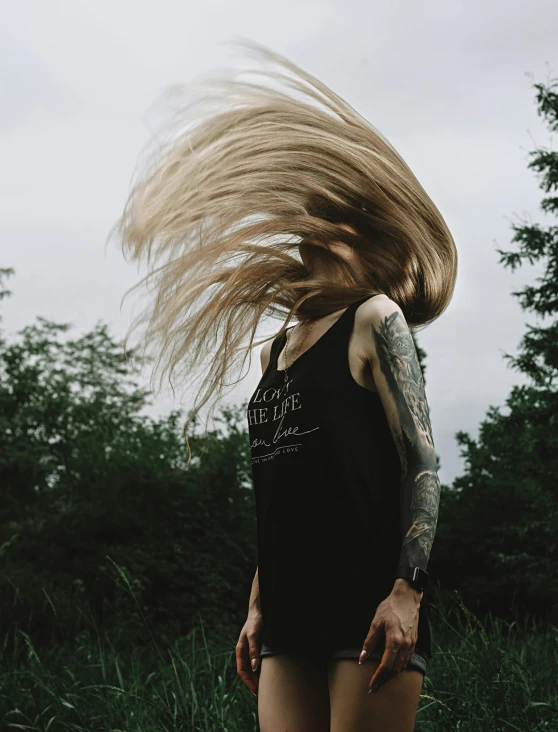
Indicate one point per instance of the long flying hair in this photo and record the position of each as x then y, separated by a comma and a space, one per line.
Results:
250, 172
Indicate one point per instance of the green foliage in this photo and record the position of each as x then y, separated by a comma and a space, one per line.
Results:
4, 274
88, 481
490, 675
478, 680
498, 529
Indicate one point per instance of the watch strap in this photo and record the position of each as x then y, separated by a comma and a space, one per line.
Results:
416, 576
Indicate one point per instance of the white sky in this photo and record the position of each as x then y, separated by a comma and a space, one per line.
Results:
449, 83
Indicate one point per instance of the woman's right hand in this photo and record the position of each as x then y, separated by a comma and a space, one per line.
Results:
248, 651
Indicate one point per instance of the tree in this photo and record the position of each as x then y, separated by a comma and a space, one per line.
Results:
89, 484
498, 526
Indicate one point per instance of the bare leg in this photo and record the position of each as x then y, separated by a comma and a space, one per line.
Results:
293, 694
392, 708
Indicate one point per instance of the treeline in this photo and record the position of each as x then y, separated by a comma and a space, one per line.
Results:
102, 523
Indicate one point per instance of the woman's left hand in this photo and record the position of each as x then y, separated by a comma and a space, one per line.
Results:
397, 617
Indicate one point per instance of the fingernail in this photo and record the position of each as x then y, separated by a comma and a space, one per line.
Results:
362, 656
254, 664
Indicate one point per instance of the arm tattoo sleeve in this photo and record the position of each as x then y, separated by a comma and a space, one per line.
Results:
420, 486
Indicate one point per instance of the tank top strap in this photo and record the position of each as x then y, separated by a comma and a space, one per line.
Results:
354, 305
275, 350
334, 349
347, 318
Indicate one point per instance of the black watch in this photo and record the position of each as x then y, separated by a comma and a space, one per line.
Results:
417, 577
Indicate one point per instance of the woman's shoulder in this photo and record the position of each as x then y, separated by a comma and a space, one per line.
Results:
380, 320
378, 314
375, 309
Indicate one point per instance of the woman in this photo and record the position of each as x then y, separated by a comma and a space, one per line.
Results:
281, 204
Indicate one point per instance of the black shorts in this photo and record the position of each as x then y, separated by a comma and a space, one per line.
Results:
417, 661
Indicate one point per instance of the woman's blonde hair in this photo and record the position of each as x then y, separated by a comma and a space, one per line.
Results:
254, 172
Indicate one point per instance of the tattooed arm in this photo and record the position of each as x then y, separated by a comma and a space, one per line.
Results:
392, 355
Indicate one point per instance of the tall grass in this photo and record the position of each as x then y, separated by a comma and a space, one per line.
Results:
492, 676
496, 676
90, 686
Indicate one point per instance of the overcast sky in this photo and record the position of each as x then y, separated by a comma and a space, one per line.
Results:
449, 83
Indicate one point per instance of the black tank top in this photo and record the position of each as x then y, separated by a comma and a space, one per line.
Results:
327, 477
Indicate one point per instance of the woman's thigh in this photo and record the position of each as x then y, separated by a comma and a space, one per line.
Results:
293, 694
393, 707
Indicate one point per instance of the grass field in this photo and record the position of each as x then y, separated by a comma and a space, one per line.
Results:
498, 677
